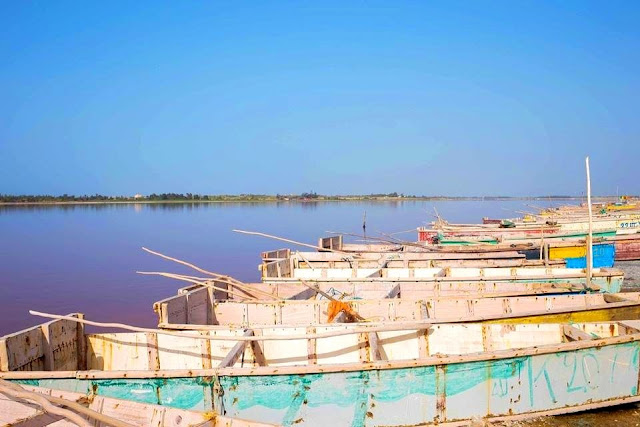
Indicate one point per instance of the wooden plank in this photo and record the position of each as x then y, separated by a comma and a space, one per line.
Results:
575, 334
311, 347
23, 350
628, 328
374, 347
4, 356
276, 254
47, 347
125, 351
63, 340
152, 350
235, 353
176, 309
441, 393
197, 306
81, 345
363, 347
612, 298
258, 353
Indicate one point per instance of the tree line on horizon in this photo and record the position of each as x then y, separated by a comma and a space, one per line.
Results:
306, 196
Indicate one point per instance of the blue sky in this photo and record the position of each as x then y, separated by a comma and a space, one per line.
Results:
454, 97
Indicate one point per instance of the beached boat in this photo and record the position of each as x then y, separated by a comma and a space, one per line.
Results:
403, 259
193, 307
626, 247
474, 236
606, 250
486, 251
344, 374
607, 279
602, 226
99, 411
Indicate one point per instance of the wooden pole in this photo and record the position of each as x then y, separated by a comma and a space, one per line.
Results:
256, 233
195, 267
215, 276
235, 283
298, 253
590, 235
197, 282
339, 332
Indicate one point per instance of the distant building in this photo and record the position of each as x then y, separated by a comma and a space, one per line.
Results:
138, 196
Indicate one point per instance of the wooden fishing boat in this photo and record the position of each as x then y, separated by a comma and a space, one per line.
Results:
193, 307
193, 302
336, 243
402, 260
607, 279
450, 236
603, 225
627, 247
446, 374
24, 412
606, 250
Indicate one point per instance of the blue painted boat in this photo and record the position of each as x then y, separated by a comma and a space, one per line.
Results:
603, 256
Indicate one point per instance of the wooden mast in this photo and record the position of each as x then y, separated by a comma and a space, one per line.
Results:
590, 235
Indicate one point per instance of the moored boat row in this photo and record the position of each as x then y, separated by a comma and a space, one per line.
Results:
382, 333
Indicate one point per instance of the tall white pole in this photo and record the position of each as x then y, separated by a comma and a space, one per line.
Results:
590, 236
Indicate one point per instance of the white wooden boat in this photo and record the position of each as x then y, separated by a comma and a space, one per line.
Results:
607, 279
193, 307
343, 374
402, 259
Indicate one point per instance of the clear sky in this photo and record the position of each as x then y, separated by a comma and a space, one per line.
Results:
452, 97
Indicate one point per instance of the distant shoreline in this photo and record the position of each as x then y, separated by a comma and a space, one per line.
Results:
300, 200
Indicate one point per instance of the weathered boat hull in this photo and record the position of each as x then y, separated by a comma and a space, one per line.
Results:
441, 394
485, 372
627, 250
576, 256
193, 309
608, 280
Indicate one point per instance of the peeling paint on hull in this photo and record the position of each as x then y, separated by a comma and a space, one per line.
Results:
400, 396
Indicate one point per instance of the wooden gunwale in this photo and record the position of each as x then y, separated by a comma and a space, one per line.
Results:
480, 291
329, 368
541, 278
507, 253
